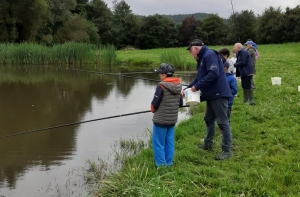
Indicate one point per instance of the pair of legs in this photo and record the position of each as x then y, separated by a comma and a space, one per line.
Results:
247, 89
163, 145
216, 110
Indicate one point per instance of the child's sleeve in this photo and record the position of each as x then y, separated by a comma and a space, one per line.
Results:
233, 86
159, 92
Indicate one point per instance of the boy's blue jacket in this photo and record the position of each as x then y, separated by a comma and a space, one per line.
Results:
211, 79
233, 86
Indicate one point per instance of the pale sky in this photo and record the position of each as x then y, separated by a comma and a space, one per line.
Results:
221, 7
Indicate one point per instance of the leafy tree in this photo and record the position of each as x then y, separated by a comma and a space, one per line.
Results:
241, 26
291, 24
77, 29
126, 24
214, 30
157, 31
269, 29
187, 29
99, 14
21, 18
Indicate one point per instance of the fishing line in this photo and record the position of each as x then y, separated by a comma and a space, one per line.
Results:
236, 27
75, 123
104, 73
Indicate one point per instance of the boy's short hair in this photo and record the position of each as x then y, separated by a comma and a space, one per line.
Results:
225, 51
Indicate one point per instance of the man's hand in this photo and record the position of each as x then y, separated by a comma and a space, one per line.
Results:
182, 93
193, 89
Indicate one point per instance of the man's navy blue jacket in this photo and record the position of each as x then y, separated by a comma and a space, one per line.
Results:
244, 63
211, 78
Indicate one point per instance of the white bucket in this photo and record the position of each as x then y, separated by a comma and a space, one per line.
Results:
298, 88
192, 98
276, 80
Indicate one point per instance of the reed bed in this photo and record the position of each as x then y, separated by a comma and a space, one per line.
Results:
175, 57
71, 53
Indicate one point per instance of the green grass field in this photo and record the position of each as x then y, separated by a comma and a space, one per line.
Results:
266, 140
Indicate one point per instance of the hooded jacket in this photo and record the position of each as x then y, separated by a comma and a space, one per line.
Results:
211, 79
166, 102
233, 87
252, 52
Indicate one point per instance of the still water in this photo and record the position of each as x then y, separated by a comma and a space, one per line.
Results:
50, 162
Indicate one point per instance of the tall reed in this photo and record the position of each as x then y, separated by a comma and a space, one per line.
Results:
107, 55
174, 57
71, 53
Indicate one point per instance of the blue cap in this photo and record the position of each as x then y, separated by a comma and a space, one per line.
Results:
226, 64
249, 42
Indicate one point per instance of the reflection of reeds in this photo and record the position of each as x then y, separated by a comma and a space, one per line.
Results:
71, 53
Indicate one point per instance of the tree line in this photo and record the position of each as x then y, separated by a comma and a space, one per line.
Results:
51, 22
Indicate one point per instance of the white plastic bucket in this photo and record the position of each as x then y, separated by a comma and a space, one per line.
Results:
298, 88
192, 98
276, 80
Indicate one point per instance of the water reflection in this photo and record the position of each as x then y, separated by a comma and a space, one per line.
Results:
34, 97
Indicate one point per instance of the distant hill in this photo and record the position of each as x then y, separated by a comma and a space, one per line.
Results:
179, 17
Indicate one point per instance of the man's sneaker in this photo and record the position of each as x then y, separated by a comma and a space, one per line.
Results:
223, 155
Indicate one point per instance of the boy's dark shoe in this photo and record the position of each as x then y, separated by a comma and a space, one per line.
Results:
206, 147
223, 155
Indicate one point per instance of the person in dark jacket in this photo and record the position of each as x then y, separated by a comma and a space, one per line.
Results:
165, 104
212, 83
244, 65
252, 52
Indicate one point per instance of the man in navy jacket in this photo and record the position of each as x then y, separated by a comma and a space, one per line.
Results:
244, 64
212, 83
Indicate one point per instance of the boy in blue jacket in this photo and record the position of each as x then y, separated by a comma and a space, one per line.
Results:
165, 105
233, 87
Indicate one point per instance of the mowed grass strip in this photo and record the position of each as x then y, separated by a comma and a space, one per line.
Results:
266, 143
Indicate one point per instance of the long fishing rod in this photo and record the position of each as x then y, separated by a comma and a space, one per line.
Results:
75, 123
104, 73
234, 18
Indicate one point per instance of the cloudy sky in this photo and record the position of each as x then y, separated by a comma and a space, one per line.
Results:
221, 7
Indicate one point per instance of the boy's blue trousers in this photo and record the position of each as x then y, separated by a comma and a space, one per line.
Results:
163, 145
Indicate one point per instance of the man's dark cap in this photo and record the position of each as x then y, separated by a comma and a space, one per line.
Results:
195, 42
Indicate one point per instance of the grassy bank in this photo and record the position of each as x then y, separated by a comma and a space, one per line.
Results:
265, 162
61, 54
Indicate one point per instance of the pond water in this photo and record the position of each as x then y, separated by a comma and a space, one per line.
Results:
50, 162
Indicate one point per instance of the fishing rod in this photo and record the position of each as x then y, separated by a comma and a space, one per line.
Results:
75, 123
104, 73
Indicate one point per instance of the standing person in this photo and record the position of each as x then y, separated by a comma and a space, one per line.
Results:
225, 53
252, 52
244, 65
233, 87
214, 88
165, 105
233, 60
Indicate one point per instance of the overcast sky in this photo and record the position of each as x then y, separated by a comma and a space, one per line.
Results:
221, 7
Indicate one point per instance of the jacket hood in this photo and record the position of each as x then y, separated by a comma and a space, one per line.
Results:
172, 84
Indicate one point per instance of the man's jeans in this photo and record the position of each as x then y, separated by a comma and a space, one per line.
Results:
216, 110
